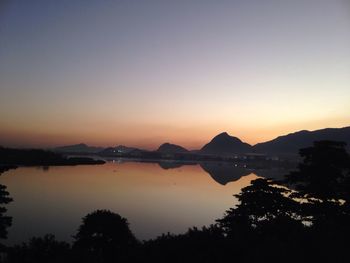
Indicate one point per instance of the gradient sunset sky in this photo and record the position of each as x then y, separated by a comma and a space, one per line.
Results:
144, 72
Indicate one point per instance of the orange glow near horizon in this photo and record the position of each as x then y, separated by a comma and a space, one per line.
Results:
181, 72
149, 137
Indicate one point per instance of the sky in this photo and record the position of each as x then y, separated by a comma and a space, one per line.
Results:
141, 73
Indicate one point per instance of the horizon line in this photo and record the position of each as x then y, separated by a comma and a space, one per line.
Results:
189, 149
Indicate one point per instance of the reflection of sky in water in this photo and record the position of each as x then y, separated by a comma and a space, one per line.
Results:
154, 200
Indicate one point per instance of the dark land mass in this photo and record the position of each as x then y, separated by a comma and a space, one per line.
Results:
117, 150
222, 147
78, 148
171, 148
35, 157
224, 144
291, 143
155, 155
283, 146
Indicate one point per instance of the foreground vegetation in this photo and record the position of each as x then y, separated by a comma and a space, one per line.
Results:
305, 218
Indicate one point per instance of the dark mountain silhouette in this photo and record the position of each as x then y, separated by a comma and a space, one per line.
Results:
120, 149
291, 143
171, 148
226, 144
224, 173
222, 145
78, 148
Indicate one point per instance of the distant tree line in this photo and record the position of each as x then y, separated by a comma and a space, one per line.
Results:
304, 218
35, 157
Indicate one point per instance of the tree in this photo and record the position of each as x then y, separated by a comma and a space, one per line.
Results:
40, 250
324, 169
104, 235
323, 181
263, 204
5, 221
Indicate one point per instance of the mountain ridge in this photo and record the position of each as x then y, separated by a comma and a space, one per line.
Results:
78, 148
292, 142
225, 144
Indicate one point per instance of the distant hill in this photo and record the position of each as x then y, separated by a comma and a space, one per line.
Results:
78, 148
225, 144
120, 149
171, 148
291, 143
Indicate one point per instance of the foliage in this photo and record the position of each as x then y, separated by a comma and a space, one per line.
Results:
40, 250
104, 235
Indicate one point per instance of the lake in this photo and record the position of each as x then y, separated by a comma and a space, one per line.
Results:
156, 198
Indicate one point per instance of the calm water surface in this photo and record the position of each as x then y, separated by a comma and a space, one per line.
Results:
155, 198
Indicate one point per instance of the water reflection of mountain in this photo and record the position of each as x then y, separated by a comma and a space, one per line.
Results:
172, 165
169, 165
224, 173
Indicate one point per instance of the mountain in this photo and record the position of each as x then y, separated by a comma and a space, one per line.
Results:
171, 148
226, 144
291, 143
78, 148
120, 149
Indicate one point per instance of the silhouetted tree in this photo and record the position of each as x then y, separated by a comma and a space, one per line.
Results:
40, 250
104, 236
322, 182
5, 221
265, 217
196, 245
323, 172
262, 204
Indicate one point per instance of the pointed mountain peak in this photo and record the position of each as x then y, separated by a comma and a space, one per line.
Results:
223, 143
223, 134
